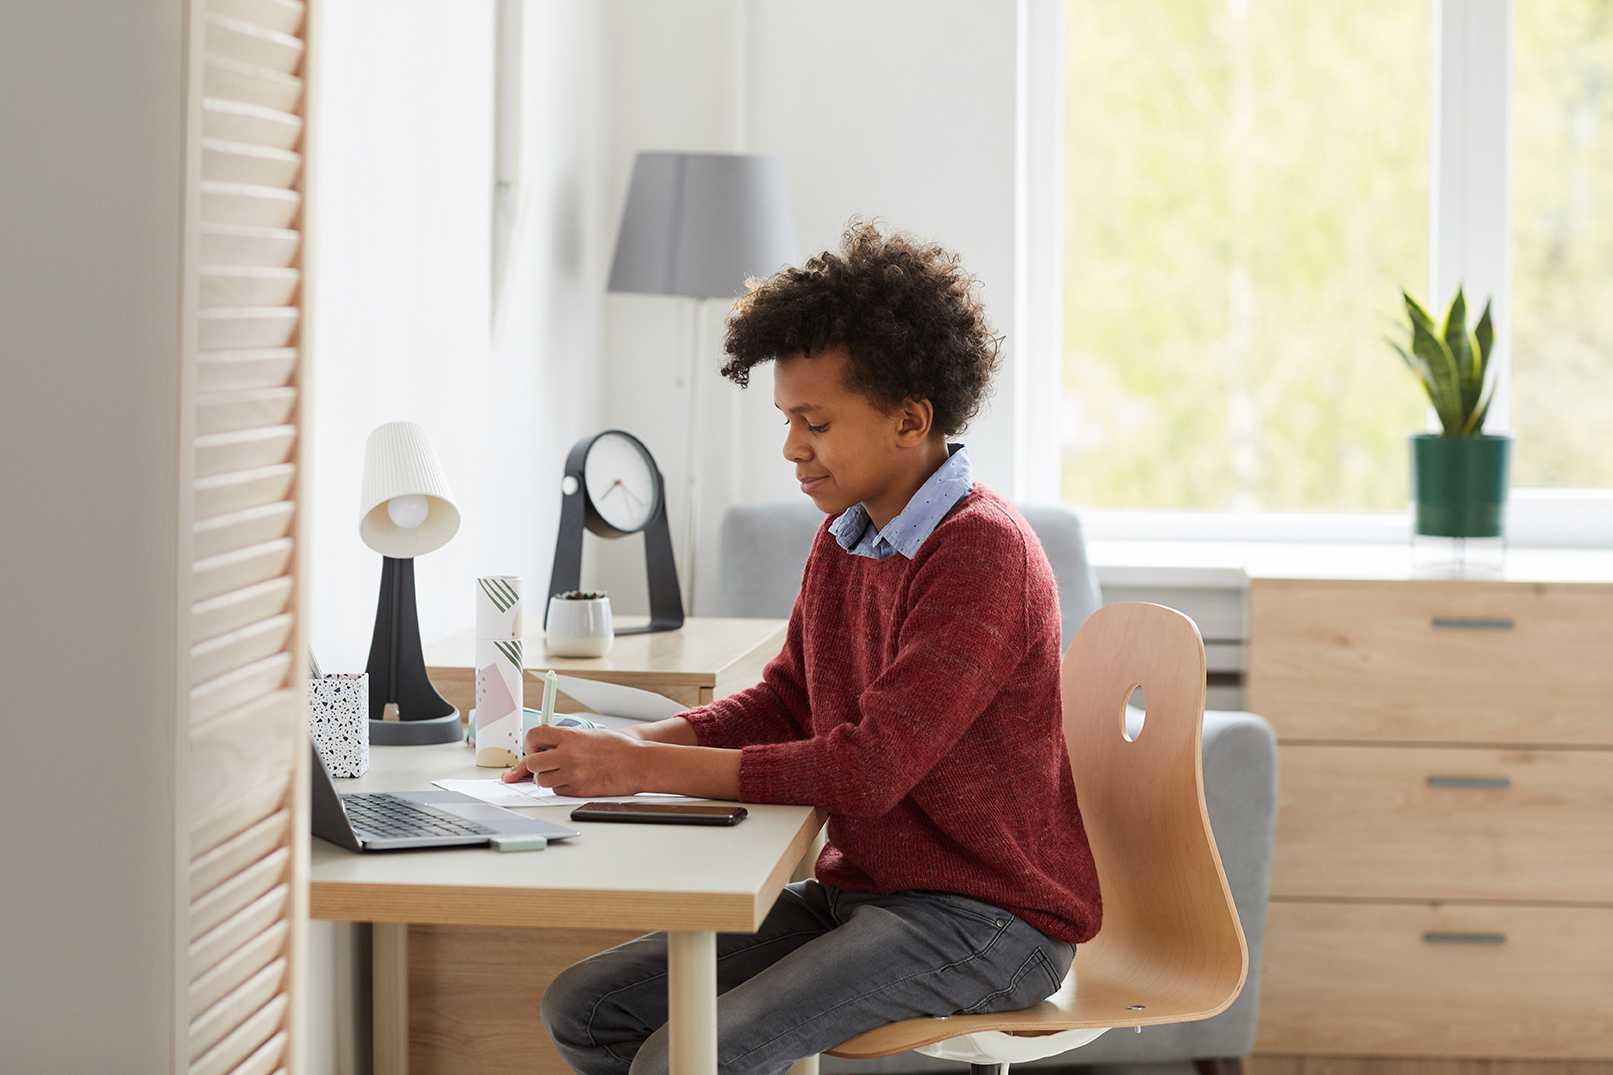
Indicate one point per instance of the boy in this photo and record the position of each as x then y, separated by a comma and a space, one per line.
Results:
916, 700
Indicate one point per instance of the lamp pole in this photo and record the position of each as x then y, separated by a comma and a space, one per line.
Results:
693, 453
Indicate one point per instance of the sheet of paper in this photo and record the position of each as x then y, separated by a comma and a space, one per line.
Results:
527, 793
615, 700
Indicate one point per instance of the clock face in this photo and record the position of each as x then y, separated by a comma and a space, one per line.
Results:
621, 481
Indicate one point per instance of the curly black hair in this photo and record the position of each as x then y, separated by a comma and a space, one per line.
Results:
901, 307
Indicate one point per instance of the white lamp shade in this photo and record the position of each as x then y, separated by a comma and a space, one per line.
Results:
398, 461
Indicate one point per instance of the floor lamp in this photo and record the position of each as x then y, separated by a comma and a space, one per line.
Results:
697, 225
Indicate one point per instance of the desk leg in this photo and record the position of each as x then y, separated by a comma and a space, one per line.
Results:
692, 1002
389, 992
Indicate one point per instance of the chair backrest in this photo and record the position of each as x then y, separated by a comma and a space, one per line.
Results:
764, 547
1170, 928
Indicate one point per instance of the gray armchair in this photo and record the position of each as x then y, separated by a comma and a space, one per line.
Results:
764, 548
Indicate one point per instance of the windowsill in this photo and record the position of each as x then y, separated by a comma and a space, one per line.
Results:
1229, 565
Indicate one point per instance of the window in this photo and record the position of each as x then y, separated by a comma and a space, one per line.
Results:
1562, 242
1247, 184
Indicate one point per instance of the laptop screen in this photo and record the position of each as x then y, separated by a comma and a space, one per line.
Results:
329, 819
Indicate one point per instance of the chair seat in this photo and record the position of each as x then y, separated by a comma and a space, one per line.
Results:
1096, 1004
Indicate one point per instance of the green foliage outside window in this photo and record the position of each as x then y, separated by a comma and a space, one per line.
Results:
1247, 182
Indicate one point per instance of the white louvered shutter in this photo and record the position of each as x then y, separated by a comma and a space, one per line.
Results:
244, 798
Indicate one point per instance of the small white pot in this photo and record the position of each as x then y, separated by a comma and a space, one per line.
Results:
579, 628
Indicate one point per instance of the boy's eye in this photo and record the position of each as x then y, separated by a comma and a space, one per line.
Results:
813, 428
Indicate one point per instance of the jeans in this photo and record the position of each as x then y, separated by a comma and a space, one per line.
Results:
825, 965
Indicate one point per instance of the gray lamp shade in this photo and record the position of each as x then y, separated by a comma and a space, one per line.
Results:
698, 224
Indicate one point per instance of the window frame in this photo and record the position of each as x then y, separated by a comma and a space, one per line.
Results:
1470, 242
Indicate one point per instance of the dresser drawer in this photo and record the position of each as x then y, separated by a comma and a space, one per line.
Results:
1405, 822
1455, 980
1439, 661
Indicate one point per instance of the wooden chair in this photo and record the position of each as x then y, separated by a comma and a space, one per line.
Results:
1170, 948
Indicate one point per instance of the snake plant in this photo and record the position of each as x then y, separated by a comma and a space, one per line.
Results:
1451, 361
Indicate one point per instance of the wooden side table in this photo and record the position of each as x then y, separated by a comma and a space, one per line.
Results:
1442, 882
708, 657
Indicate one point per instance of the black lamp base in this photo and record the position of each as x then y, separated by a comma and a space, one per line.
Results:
397, 669
417, 733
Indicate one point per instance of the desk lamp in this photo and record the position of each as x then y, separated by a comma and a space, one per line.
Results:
407, 511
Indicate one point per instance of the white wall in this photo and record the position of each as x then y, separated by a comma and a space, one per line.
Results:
916, 127
675, 75
402, 326
550, 340
402, 293
918, 131
401, 203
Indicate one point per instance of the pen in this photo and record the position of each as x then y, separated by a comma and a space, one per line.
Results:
551, 683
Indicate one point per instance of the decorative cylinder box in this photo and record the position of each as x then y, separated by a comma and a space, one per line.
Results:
499, 686
498, 606
339, 718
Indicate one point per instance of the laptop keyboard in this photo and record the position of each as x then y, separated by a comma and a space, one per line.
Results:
387, 815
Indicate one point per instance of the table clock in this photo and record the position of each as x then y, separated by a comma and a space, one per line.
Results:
612, 488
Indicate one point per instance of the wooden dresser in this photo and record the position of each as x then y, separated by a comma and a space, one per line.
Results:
1442, 883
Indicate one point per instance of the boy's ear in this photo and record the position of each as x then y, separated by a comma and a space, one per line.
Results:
914, 420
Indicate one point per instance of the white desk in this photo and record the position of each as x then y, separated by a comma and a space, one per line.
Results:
691, 881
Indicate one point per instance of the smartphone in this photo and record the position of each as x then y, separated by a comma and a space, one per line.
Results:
661, 813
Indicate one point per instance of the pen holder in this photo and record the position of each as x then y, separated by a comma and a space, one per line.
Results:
339, 719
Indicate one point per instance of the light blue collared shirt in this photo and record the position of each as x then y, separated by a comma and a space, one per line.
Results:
905, 533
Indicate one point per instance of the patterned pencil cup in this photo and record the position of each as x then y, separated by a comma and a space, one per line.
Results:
498, 702
339, 718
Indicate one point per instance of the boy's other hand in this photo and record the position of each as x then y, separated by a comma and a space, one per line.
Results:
582, 761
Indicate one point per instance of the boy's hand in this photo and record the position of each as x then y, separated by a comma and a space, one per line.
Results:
582, 761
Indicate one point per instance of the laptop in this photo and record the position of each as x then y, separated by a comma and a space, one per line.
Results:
386, 821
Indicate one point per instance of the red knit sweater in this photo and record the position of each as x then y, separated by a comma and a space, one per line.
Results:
917, 702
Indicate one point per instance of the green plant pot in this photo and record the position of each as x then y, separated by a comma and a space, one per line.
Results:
1459, 484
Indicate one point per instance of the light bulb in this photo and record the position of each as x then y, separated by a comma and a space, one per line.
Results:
408, 512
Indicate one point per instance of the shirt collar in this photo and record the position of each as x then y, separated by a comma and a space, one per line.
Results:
951, 481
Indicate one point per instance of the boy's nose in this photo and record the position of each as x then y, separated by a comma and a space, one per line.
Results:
795, 448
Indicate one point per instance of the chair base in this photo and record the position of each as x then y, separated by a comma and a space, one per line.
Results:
1232, 1065
1220, 1065
990, 1048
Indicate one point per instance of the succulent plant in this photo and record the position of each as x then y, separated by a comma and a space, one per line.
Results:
1452, 362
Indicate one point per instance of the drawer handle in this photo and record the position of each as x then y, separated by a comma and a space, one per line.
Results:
1448, 937
1475, 623
1469, 781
